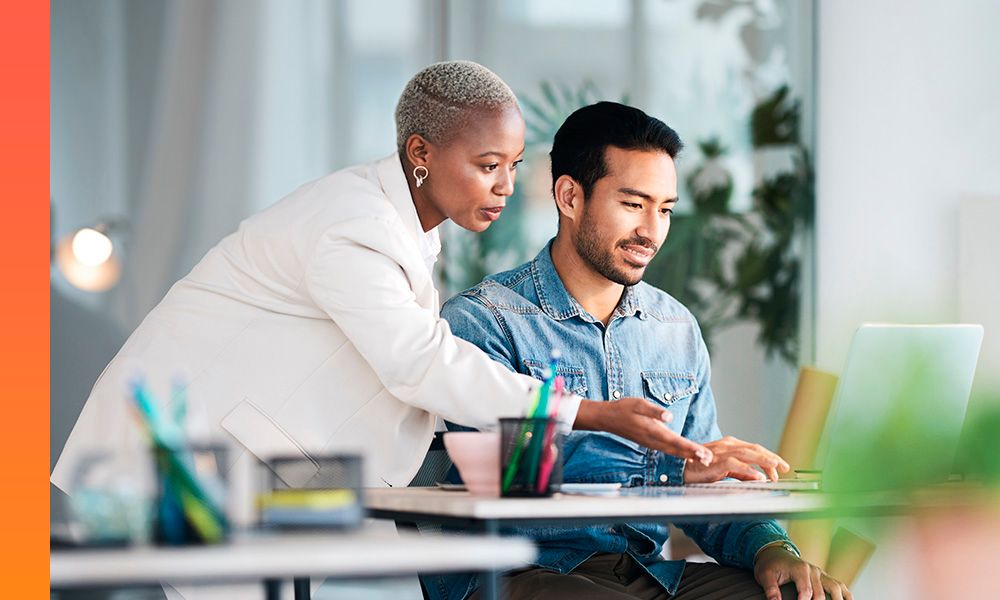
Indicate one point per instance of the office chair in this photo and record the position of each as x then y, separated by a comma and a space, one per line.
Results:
841, 553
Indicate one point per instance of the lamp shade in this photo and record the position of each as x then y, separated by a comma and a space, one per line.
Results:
87, 259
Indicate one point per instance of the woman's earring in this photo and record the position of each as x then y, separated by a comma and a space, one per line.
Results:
420, 178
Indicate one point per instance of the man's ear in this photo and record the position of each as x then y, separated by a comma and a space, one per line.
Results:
417, 150
569, 197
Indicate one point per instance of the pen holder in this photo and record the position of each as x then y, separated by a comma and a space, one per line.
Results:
190, 505
531, 458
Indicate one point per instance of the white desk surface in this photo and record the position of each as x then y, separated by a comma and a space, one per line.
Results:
692, 502
255, 558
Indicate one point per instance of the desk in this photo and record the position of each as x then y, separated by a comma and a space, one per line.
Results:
270, 558
655, 504
689, 504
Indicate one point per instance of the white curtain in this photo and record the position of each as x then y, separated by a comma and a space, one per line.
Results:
241, 116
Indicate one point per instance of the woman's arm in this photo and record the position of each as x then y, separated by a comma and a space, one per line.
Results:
358, 275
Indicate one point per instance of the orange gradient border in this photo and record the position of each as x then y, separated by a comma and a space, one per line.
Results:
24, 299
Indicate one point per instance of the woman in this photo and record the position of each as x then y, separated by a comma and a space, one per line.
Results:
314, 327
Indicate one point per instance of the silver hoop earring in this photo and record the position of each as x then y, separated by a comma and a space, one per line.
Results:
420, 178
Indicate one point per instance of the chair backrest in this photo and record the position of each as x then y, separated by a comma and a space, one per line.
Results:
807, 417
435, 466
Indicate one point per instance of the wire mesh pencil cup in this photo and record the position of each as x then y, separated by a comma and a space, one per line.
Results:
530, 457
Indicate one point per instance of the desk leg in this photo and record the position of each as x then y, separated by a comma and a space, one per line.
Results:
272, 589
491, 578
301, 588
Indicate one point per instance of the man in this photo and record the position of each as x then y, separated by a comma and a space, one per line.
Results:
615, 186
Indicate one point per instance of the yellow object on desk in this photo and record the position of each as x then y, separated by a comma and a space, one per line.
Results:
316, 499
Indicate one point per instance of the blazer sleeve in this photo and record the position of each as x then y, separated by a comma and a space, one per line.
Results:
358, 275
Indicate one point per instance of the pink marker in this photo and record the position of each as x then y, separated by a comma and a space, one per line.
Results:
560, 385
549, 459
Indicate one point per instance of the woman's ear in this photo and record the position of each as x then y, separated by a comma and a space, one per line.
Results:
417, 150
569, 197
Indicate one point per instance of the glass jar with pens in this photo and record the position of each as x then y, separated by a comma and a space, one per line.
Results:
190, 504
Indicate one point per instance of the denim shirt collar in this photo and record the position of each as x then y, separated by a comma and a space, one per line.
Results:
556, 301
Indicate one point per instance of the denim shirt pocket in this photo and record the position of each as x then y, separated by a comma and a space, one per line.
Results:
670, 389
574, 377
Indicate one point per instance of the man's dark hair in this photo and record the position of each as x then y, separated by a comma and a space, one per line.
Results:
578, 149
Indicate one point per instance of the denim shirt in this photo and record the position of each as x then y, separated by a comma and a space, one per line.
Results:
651, 348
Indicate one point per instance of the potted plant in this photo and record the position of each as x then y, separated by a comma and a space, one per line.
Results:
951, 531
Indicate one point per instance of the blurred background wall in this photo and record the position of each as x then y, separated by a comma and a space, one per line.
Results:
174, 120
908, 123
908, 191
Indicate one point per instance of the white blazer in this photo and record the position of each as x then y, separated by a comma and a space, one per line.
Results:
313, 328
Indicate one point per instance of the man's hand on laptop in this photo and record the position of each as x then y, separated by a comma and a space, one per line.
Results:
642, 422
738, 459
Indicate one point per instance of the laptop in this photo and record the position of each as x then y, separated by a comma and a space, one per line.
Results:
880, 368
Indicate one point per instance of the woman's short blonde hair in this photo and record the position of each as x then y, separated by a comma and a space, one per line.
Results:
436, 101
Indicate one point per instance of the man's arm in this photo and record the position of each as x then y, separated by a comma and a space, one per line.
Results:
471, 321
636, 419
732, 543
759, 545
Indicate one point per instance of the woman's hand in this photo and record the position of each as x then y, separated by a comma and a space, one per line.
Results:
738, 459
642, 422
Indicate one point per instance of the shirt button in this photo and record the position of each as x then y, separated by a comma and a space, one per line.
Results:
616, 394
663, 478
667, 397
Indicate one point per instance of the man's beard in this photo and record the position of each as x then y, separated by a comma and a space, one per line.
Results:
591, 249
